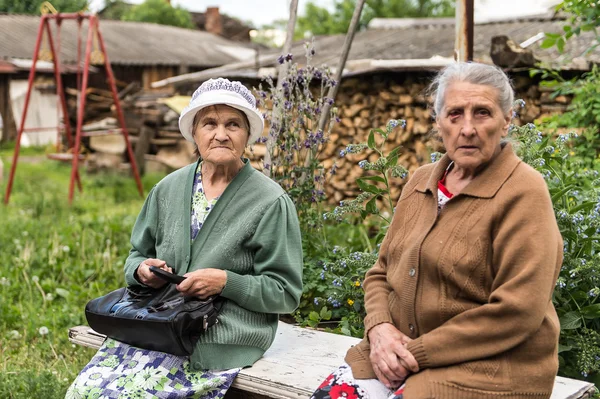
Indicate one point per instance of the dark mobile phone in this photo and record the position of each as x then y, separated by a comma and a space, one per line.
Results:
169, 277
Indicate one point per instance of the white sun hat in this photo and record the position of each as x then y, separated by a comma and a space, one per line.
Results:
222, 91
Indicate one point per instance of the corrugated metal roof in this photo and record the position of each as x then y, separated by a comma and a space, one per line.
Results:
403, 41
127, 43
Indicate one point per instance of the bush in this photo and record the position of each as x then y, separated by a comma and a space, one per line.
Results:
575, 191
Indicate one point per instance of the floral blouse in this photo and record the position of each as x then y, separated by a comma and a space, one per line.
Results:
201, 206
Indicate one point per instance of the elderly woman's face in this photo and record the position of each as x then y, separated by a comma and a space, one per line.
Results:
471, 124
221, 134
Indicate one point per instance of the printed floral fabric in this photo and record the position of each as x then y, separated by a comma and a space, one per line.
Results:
121, 371
201, 206
341, 384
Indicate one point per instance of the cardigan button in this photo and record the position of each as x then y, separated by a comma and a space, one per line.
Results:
187, 258
198, 365
411, 328
412, 272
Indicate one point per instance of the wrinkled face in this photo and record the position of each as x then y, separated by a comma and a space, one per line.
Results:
471, 124
221, 134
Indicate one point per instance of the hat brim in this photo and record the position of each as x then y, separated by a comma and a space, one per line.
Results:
186, 119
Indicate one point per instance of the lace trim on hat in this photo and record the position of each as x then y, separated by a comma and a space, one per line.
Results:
225, 84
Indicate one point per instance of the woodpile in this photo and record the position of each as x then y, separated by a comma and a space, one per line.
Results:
152, 127
364, 103
370, 102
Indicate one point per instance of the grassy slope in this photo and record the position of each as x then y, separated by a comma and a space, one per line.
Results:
53, 259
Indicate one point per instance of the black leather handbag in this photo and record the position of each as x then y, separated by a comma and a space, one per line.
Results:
157, 319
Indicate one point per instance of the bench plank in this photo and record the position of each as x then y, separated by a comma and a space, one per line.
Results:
300, 359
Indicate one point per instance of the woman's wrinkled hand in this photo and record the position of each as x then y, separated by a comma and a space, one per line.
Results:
203, 283
148, 278
390, 359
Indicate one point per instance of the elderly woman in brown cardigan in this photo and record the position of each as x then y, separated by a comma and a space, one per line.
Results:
459, 304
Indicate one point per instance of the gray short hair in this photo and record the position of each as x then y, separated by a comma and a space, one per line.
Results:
474, 73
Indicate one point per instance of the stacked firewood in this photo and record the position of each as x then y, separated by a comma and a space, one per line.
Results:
371, 102
152, 127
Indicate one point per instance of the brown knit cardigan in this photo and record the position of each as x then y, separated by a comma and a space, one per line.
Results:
471, 286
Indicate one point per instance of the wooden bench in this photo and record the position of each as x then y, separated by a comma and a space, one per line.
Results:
300, 359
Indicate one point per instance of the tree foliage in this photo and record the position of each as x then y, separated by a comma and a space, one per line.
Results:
33, 6
583, 16
318, 20
159, 12
115, 9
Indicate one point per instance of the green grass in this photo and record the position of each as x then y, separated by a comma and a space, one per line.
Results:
54, 258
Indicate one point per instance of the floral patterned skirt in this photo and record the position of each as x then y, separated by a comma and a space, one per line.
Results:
341, 385
119, 371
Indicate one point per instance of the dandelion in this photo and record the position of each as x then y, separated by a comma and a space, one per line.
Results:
35, 279
357, 283
4, 281
66, 248
43, 330
14, 334
350, 302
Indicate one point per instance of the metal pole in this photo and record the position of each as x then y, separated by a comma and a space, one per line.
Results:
113, 88
60, 91
36, 52
463, 48
81, 106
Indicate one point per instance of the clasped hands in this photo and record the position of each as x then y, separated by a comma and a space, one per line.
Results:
200, 283
390, 359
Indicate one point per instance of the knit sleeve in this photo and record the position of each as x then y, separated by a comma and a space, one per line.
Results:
142, 238
526, 258
276, 284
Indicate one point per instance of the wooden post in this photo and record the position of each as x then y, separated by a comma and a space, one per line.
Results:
9, 127
142, 146
281, 73
342, 62
463, 48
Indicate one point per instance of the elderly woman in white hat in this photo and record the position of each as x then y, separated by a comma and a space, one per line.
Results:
231, 231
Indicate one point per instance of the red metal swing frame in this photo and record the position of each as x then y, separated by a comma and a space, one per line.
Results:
93, 27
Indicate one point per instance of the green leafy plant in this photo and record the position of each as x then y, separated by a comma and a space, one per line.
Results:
376, 185
343, 269
575, 192
584, 16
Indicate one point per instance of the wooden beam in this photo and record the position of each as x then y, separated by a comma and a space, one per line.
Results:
281, 73
9, 126
342, 62
463, 48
